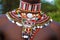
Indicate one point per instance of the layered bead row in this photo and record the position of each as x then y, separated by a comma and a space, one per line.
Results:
30, 7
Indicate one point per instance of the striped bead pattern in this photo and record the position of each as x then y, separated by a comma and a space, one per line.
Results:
30, 7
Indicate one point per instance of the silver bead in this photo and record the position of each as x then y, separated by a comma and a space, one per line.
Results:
29, 15
38, 26
34, 28
19, 24
41, 26
25, 36
12, 21
51, 20
46, 24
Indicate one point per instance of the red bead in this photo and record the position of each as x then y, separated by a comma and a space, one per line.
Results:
28, 30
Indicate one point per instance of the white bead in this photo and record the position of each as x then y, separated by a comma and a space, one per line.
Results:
12, 21
38, 26
42, 17
25, 36
34, 28
41, 26
46, 24
34, 15
18, 24
29, 26
30, 7
29, 15
8, 17
25, 30
25, 25
42, 13
51, 20
33, 18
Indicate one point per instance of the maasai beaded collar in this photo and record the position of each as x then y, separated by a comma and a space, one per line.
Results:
28, 29
28, 17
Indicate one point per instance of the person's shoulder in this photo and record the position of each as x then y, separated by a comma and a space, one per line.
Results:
55, 26
54, 23
2, 18
2, 15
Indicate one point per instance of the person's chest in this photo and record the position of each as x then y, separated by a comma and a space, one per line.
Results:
14, 32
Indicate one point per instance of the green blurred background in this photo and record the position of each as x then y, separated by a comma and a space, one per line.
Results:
50, 7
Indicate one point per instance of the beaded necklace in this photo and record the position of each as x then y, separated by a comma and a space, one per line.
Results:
30, 25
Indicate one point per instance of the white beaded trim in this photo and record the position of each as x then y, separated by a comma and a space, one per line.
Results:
19, 24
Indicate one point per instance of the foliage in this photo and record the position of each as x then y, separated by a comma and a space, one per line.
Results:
55, 15
48, 7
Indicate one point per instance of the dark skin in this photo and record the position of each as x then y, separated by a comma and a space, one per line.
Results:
11, 31
32, 1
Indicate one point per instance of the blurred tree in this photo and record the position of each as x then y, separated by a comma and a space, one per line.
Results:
56, 14
58, 4
10, 5
48, 7
1, 6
